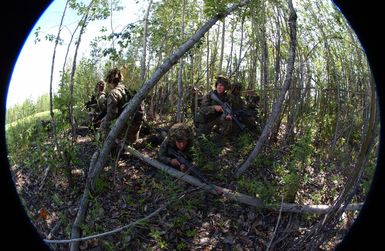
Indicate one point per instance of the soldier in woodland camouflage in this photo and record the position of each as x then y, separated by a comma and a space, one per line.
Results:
101, 98
97, 105
179, 138
116, 99
247, 115
210, 114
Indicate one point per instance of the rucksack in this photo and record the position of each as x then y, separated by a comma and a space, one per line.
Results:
123, 102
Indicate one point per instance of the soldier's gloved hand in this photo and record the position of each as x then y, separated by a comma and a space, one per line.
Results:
175, 163
218, 108
183, 168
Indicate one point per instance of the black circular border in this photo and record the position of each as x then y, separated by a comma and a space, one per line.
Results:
19, 17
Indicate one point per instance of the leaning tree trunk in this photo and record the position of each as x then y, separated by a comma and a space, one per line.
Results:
237, 196
278, 103
126, 115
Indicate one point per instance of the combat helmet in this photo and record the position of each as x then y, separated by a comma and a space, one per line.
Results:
114, 76
223, 80
180, 131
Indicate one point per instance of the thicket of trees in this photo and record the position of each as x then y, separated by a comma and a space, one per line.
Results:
27, 108
327, 118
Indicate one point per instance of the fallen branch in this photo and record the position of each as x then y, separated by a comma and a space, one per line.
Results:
236, 196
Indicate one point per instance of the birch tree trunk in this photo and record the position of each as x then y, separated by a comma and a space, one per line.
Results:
208, 61
73, 70
222, 46
179, 117
53, 125
145, 35
126, 115
278, 103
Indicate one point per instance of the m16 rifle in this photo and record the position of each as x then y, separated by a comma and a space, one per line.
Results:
181, 157
227, 110
91, 103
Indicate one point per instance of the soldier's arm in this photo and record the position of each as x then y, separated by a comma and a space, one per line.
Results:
207, 107
162, 155
112, 112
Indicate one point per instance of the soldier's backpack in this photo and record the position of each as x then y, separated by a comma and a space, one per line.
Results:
127, 95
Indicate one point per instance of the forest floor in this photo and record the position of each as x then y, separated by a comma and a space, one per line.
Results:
131, 189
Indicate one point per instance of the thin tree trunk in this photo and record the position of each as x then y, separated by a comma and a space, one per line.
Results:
240, 48
73, 70
53, 124
145, 35
222, 46
208, 61
278, 103
229, 62
179, 116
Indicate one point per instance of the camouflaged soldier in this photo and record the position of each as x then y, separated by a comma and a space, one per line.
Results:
245, 114
210, 113
179, 138
101, 97
116, 99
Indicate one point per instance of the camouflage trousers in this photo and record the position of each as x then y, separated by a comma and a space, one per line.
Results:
218, 125
133, 130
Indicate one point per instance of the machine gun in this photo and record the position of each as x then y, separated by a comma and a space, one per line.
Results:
227, 110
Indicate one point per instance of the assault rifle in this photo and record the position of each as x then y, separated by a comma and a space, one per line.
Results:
227, 110
91, 103
181, 157
183, 160
246, 113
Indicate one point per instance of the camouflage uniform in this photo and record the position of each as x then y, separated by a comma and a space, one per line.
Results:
116, 99
245, 114
179, 131
209, 119
101, 100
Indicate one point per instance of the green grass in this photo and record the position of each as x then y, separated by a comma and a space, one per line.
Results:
37, 116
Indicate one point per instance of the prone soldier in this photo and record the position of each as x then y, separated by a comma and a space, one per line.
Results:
179, 138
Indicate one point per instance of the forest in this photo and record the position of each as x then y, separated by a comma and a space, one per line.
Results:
296, 183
